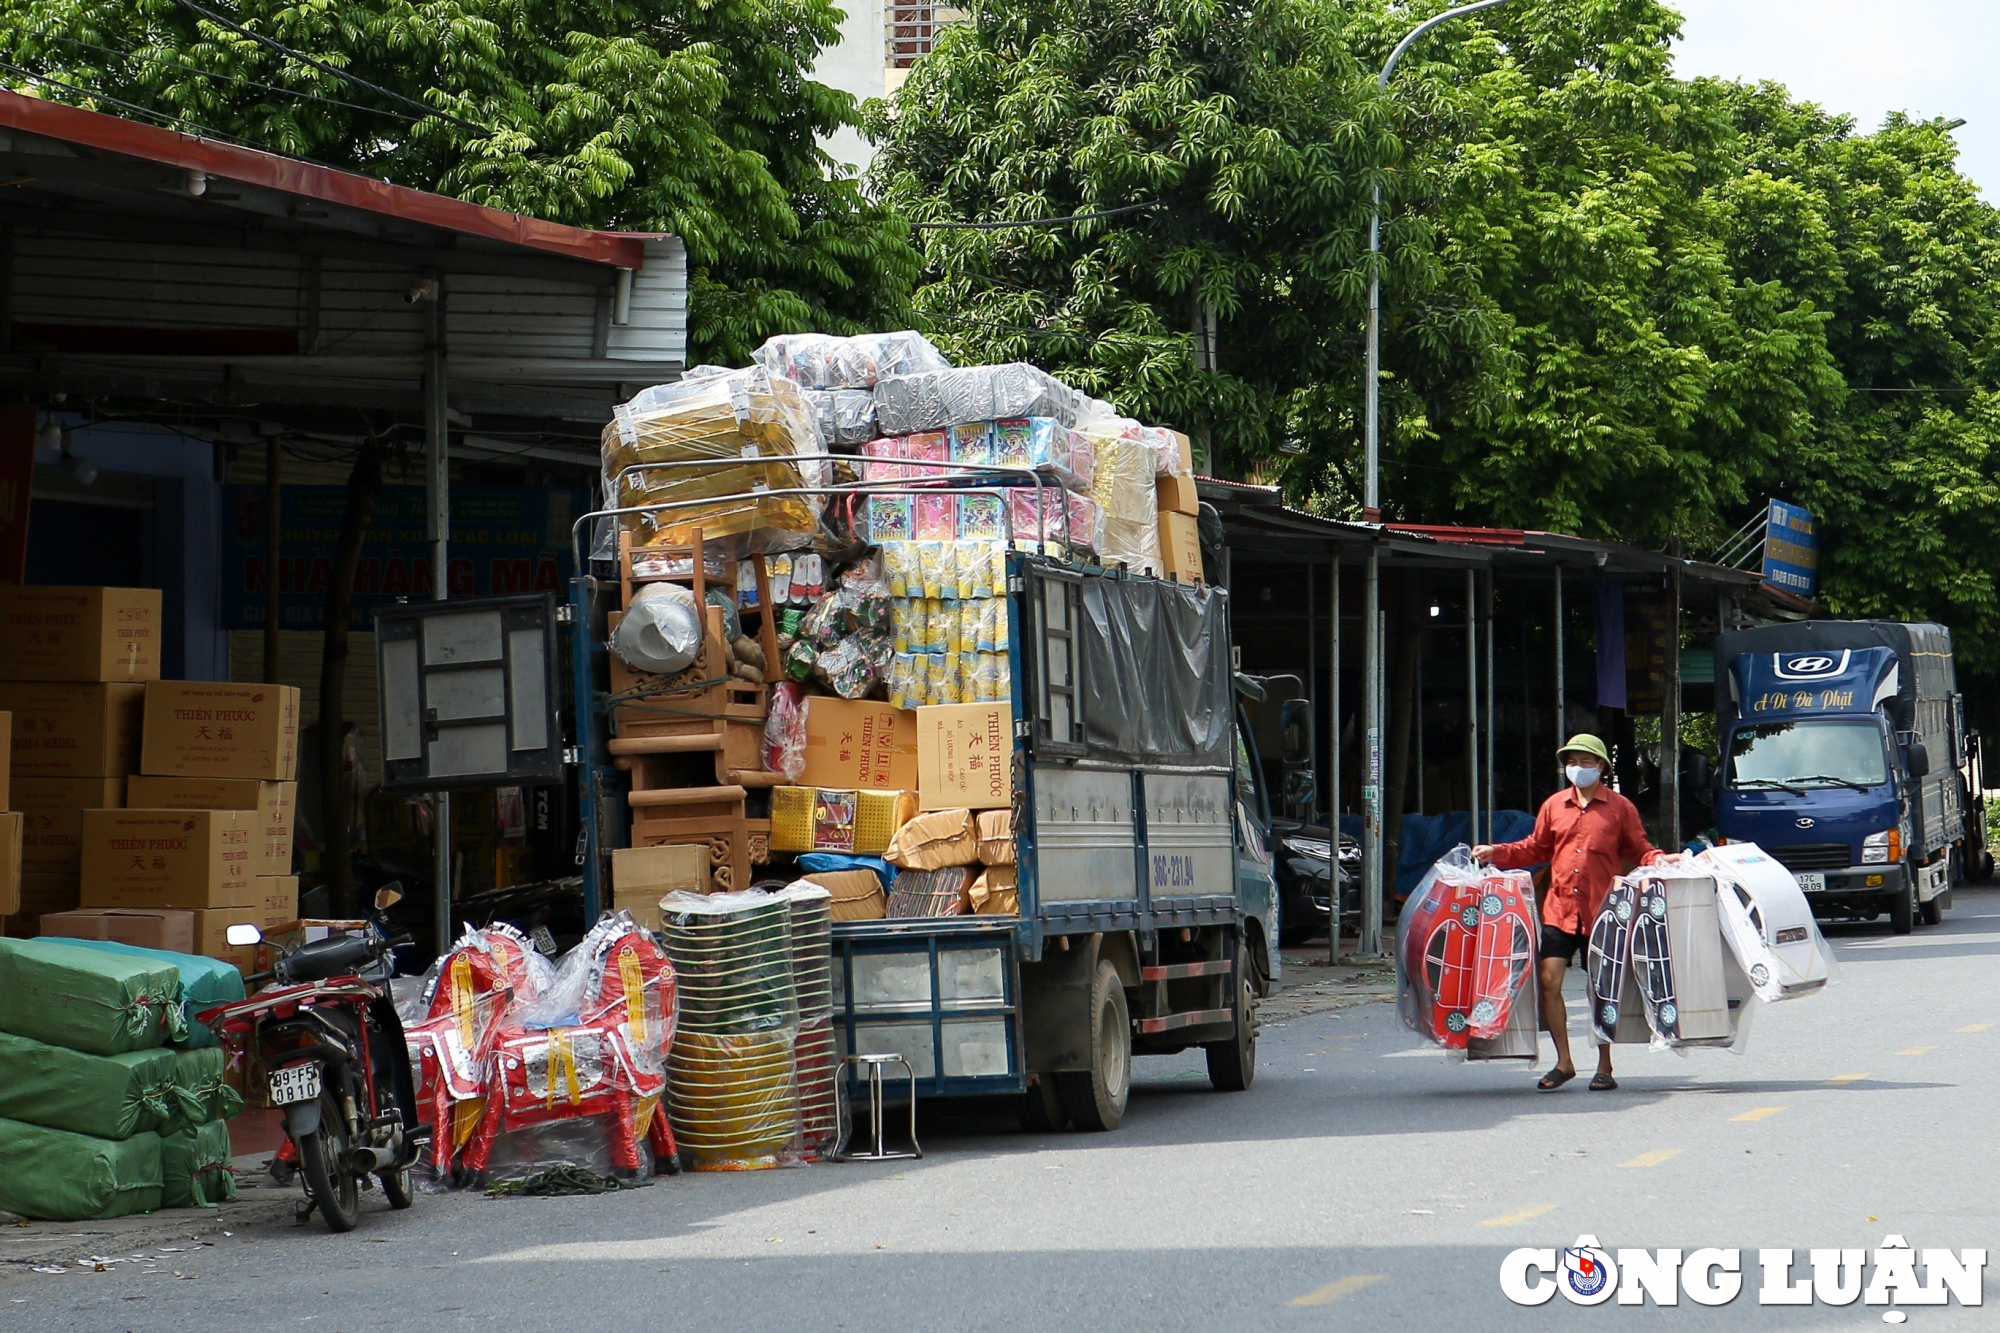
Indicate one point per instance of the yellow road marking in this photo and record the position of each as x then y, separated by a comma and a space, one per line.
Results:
1333, 1291
1655, 1157
1533, 1210
1847, 1078
1917, 1050
1761, 1113
1975, 1027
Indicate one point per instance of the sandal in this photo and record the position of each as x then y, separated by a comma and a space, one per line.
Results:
1603, 1083
1554, 1079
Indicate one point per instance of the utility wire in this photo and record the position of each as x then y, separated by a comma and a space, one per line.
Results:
171, 118
1025, 222
332, 70
141, 53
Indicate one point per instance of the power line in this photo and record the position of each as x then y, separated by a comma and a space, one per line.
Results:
169, 117
1025, 222
140, 53
332, 70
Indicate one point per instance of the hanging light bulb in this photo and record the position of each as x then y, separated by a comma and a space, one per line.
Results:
83, 470
49, 439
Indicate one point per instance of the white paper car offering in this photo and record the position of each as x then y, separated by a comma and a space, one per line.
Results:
1768, 923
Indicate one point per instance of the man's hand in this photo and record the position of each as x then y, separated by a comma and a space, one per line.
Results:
1483, 852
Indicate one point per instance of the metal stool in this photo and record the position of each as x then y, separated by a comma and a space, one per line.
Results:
873, 1065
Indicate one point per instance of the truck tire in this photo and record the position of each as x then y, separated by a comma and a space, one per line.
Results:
1096, 1097
1903, 907
1040, 1108
1232, 1064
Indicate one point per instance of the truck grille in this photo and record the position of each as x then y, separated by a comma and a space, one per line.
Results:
1814, 856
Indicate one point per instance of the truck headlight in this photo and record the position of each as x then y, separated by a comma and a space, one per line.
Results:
1884, 848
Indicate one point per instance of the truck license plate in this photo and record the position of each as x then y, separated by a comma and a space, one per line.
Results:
300, 1083
1811, 883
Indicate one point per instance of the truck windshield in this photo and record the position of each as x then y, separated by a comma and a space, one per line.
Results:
1808, 754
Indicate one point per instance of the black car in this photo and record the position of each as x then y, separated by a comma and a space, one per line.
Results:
1303, 854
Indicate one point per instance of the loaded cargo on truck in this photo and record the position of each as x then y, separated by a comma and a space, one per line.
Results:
971, 589
1845, 754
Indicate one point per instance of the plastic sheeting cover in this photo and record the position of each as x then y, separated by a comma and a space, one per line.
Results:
1155, 672
64, 1177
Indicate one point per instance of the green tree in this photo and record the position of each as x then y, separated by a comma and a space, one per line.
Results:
1247, 136
694, 118
1905, 477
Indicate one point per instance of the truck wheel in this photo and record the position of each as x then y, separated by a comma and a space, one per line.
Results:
1903, 907
1232, 1064
1040, 1108
1096, 1097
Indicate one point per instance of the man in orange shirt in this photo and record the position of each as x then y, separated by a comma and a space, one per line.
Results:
1589, 835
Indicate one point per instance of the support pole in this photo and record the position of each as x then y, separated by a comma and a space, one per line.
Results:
1670, 721
437, 496
1312, 689
1487, 785
1370, 942
1333, 754
1562, 691
1472, 703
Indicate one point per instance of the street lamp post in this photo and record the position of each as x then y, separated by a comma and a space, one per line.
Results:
1370, 944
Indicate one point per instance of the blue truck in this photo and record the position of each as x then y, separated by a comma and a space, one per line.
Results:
1844, 753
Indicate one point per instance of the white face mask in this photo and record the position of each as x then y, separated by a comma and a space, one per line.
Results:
1583, 775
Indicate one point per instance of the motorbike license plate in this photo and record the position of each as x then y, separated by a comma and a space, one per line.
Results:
300, 1083
1811, 883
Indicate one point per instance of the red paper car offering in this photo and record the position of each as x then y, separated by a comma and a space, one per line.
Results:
1465, 951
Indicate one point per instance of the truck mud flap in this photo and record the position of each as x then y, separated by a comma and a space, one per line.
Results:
1055, 1008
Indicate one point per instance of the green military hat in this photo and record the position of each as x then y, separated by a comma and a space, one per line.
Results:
1585, 743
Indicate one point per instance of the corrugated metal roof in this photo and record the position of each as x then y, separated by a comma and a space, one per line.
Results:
329, 185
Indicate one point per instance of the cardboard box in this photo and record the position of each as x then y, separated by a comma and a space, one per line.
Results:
168, 858
74, 731
40, 895
214, 729
965, 756
1180, 548
159, 928
856, 743
52, 842
275, 803
277, 900
641, 876
10, 862
1187, 451
82, 634
6, 760
1177, 495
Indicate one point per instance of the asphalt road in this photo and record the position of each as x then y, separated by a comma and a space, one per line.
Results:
1365, 1182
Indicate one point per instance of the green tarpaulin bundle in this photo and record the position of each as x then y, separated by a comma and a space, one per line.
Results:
64, 1177
205, 982
200, 1073
106, 1096
194, 1167
86, 1000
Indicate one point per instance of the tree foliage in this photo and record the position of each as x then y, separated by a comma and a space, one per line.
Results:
1616, 302
690, 116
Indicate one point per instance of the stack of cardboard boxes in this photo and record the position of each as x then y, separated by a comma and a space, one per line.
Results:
74, 663
161, 812
1180, 534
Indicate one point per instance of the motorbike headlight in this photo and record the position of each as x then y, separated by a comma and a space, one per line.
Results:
1884, 848
1319, 848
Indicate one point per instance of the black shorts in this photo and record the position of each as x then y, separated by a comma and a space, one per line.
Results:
1559, 943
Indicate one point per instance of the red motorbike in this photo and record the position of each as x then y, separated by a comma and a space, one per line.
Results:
327, 1036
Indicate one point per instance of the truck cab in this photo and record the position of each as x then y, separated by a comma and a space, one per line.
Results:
1838, 746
